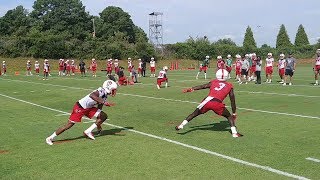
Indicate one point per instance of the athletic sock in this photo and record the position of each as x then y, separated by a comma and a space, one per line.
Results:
53, 135
184, 122
234, 130
316, 81
205, 75
91, 128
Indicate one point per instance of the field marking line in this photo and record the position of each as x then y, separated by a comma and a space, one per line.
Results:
62, 114
174, 100
313, 159
266, 168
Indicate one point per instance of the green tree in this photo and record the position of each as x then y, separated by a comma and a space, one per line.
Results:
283, 40
15, 21
249, 44
114, 20
225, 41
301, 37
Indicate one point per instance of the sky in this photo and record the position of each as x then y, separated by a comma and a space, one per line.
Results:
215, 19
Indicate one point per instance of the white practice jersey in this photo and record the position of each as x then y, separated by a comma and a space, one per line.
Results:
116, 64
281, 63
269, 62
140, 65
152, 64
318, 61
46, 67
162, 73
37, 66
28, 65
129, 64
4, 66
88, 102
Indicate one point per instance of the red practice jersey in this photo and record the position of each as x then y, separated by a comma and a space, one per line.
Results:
221, 64
220, 89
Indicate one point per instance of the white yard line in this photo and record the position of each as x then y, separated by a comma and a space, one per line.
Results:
175, 100
266, 168
313, 159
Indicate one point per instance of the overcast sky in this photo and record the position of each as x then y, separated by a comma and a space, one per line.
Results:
214, 18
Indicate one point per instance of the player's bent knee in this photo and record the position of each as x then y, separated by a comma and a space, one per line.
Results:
103, 116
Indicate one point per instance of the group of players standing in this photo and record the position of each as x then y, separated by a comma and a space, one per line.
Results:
249, 67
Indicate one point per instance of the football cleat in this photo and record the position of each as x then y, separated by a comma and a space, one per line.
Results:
158, 86
177, 128
49, 141
236, 135
290, 84
89, 135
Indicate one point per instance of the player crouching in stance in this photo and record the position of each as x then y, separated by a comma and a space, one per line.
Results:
87, 107
219, 89
162, 77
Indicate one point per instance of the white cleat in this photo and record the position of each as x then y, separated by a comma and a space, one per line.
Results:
89, 135
315, 84
284, 84
235, 135
158, 86
290, 84
49, 141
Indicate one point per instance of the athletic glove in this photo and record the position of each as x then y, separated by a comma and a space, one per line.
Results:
187, 90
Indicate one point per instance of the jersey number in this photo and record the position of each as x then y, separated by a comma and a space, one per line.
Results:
221, 86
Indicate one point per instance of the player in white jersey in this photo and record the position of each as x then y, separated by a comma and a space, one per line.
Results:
28, 73
4, 68
317, 67
46, 69
269, 67
90, 106
140, 68
153, 67
162, 77
116, 66
37, 67
281, 67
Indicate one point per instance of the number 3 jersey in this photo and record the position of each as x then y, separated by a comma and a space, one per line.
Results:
220, 89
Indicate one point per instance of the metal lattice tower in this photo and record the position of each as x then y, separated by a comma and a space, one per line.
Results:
155, 30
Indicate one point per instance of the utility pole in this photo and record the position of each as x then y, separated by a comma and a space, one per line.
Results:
94, 29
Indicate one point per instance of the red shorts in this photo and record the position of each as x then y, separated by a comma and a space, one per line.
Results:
122, 81
281, 72
94, 69
139, 70
72, 69
228, 69
28, 68
60, 68
317, 68
160, 80
129, 68
153, 69
215, 106
78, 112
238, 71
203, 68
252, 69
116, 70
37, 70
269, 70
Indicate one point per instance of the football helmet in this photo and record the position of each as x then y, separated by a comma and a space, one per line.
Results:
222, 75
229, 56
165, 68
219, 57
207, 57
110, 87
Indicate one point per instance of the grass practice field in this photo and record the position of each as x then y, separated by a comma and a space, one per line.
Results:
280, 126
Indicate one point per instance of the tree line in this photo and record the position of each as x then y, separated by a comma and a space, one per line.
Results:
198, 48
63, 29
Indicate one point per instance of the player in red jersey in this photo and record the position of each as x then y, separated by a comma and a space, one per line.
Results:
4, 68
116, 66
46, 69
220, 63
139, 68
90, 106
238, 67
109, 66
94, 67
29, 73
37, 67
68, 68
219, 89
316, 68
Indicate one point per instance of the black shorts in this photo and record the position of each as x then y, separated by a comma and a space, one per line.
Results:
244, 72
289, 72
82, 70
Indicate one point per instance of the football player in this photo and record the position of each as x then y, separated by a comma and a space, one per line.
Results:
153, 67
317, 67
219, 90
281, 63
162, 77
204, 67
269, 67
91, 107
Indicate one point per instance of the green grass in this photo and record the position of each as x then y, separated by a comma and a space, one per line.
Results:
278, 141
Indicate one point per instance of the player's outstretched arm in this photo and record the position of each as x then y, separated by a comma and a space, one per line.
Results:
233, 101
204, 86
95, 96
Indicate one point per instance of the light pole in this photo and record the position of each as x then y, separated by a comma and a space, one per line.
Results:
94, 29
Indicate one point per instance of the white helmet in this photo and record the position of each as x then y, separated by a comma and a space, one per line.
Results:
222, 75
28, 61
36, 61
46, 60
110, 87
219, 57
229, 56
165, 68
72, 60
93, 59
269, 54
247, 55
253, 54
116, 60
139, 59
282, 55
238, 56
3, 61
318, 51
207, 57
129, 58
152, 58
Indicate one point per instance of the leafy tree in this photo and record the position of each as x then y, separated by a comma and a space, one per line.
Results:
225, 41
114, 20
301, 37
15, 21
283, 40
249, 43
